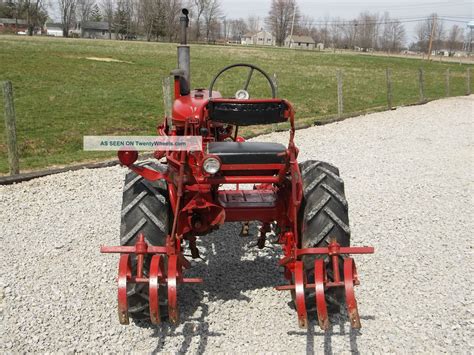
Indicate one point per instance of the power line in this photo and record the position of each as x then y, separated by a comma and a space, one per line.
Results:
354, 22
394, 5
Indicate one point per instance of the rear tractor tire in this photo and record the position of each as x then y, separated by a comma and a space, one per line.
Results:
145, 209
324, 217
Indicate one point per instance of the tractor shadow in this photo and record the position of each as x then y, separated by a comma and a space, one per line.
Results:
339, 327
231, 266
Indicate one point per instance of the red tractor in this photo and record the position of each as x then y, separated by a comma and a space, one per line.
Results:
166, 206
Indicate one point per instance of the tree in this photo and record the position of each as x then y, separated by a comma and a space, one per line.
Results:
393, 34
455, 38
84, 9
324, 32
367, 30
424, 30
108, 8
95, 14
33, 11
148, 13
121, 18
200, 7
350, 34
211, 14
280, 18
336, 33
7, 9
237, 28
253, 24
68, 12
125, 19
172, 13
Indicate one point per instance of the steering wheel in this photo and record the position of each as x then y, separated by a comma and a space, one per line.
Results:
243, 93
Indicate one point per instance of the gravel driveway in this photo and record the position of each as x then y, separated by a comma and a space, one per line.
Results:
409, 183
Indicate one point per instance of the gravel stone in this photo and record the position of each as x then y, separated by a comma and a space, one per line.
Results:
409, 183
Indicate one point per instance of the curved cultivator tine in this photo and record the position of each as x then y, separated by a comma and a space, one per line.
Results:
156, 273
299, 291
173, 275
319, 285
350, 279
123, 275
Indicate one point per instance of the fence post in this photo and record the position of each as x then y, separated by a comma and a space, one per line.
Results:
447, 82
340, 99
275, 82
468, 75
167, 99
421, 81
10, 128
388, 74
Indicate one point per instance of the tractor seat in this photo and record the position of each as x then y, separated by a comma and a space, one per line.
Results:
248, 152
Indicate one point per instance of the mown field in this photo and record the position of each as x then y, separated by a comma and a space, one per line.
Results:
61, 95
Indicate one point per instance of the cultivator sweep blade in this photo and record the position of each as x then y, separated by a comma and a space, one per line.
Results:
322, 282
159, 276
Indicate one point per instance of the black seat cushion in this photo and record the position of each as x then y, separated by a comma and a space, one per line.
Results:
248, 152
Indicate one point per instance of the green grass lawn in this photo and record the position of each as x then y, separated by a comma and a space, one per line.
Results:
61, 96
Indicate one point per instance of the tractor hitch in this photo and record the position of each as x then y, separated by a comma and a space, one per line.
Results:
158, 276
322, 282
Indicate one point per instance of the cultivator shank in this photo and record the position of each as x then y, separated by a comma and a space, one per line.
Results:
158, 276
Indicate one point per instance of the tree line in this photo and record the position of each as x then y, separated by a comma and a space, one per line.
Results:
158, 20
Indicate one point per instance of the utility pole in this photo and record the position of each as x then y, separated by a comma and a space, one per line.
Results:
433, 26
225, 28
292, 23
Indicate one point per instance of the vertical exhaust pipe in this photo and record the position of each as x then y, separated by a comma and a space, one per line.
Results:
184, 55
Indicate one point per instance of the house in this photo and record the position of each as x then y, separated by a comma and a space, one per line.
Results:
90, 29
300, 42
247, 39
320, 46
441, 52
261, 38
54, 29
12, 25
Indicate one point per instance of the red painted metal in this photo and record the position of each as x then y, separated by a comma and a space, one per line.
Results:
320, 280
123, 275
350, 279
156, 278
156, 273
173, 276
341, 250
217, 180
299, 294
127, 157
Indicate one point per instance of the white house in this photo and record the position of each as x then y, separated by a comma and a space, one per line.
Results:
54, 29
301, 42
261, 38
246, 39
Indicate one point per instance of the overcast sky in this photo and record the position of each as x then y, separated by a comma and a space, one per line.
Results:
406, 10
348, 9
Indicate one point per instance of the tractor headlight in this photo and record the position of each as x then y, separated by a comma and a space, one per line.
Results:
211, 165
